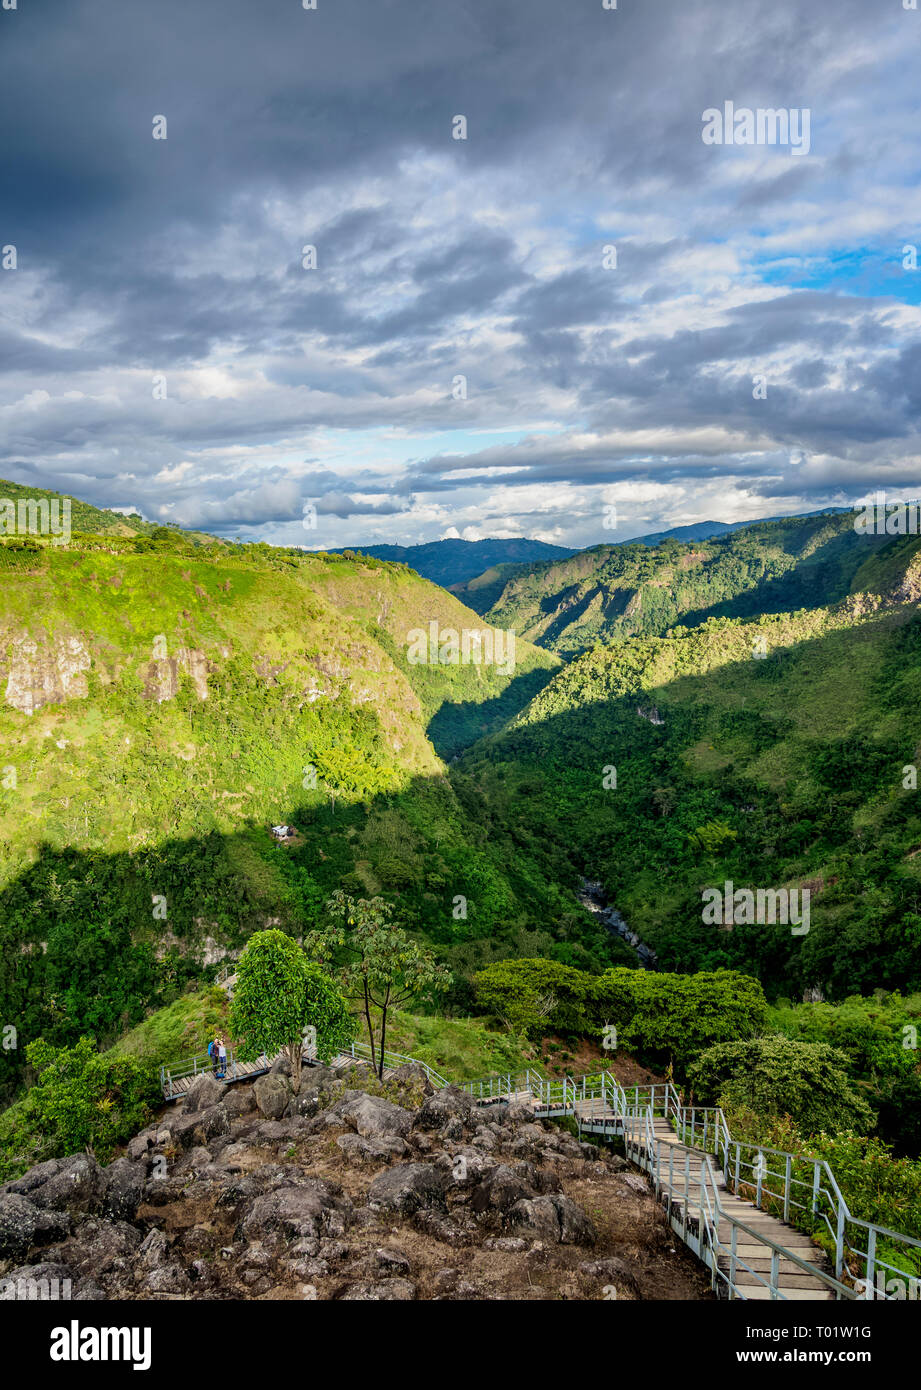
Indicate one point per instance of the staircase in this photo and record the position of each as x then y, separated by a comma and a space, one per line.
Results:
748, 1212
745, 1238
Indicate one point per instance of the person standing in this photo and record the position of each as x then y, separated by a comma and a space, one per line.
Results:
213, 1054
222, 1059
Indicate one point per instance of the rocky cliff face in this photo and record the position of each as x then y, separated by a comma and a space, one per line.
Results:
46, 673
345, 1190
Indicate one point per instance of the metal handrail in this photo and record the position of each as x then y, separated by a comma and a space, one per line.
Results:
825, 1207
823, 1204
596, 1098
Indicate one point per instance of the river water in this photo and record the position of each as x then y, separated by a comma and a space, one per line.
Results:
592, 896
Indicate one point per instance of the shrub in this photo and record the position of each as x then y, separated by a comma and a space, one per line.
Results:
81, 1099
777, 1076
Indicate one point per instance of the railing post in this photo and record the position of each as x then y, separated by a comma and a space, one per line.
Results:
839, 1242
815, 1187
671, 1177
687, 1192
871, 1261
775, 1273
732, 1259
786, 1188
738, 1160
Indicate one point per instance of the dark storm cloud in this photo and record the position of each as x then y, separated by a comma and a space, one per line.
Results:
437, 257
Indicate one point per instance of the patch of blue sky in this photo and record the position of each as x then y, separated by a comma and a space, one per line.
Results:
866, 271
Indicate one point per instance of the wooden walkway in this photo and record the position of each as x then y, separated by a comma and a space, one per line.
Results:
677, 1184
680, 1189
176, 1084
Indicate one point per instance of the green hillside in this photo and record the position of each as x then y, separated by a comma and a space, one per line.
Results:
164, 704
611, 592
770, 754
87, 518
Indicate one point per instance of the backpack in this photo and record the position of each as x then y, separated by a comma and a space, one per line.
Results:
211, 1049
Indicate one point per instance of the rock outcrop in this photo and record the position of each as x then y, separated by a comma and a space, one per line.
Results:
340, 1189
46, 672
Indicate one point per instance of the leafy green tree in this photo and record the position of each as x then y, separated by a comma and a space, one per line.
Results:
673, 1018
778, 1076
712, 839
377, 963
278, 995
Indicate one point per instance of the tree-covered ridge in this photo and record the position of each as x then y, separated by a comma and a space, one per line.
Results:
768, 755
89, 519
611, 592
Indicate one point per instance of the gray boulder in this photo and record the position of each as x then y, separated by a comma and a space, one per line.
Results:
205, 1090
167, 1279
361, 1150
406, 1188
443, 1106
45, 1282
380, 1291
123, 1189
315, 1209
272, 1094
187, 1130
215, 1121
372, 1117
239, 1100
23, 1224
140, 1146
556, 1220
66, 1184
611, 1272
502, 1186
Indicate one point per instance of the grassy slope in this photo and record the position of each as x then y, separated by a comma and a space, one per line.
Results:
612, 592
459, 1048
119, 799
85, 517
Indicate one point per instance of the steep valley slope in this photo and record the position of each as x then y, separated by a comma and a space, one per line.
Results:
768, 754
611, 592
164, 704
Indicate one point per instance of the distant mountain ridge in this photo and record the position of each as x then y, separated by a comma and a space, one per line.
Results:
479, 570
611, 592
452, 561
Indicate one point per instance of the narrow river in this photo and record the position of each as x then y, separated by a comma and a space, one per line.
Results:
592, 896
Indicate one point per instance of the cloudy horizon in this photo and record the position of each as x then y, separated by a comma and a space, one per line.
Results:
582, 312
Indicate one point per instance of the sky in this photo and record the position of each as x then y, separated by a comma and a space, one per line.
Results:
580, 323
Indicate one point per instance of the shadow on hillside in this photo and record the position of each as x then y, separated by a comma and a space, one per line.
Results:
458, 724
693, 771
91, 940
824, 578
82, 949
